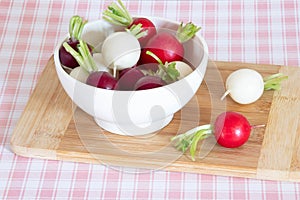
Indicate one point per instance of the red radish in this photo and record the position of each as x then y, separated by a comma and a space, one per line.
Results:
168, 47
142, 28
147, 29
67, 59
149, 82
75, 30
128, 78
102, 79
124, 71
165, 46
231, 130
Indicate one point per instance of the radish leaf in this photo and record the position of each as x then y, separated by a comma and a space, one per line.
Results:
186, 32
76, 26
117, 14
83, 56
191, 138
273, 82
167, 71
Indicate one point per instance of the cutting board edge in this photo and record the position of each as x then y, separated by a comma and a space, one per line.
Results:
268, 165
216, 170
33, 152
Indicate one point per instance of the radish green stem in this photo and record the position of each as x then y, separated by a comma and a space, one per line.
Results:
76, 26
186, 32
167, 71
117, 14
155, 57
191, 138
137, 31
273, 82
83, 56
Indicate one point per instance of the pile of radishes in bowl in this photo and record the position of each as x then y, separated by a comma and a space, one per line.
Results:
131, 73
137, 57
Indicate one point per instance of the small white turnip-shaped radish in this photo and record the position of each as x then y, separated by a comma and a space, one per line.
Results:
79, 74
183, 68
100, 62
120, 50
244, 86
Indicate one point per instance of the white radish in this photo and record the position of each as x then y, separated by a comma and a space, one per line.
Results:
245, 86
121, 50
98, 58
183, 68
79, 74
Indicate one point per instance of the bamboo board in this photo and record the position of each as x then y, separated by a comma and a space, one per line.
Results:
51, 127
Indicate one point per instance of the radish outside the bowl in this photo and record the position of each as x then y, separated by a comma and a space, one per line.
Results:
230, 129
246, 86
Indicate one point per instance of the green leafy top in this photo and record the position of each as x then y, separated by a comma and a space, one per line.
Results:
167, 71
76, 26
191, 138
273, 82
137, 31
117, 14
172, 72
186, 32
83, 56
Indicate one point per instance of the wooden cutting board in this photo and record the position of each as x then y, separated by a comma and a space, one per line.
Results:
51, 127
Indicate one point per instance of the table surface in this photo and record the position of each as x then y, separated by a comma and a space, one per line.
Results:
264, 32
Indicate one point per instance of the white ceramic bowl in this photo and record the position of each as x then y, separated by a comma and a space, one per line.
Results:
135, 112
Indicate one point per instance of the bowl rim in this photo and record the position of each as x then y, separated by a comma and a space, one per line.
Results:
60, 69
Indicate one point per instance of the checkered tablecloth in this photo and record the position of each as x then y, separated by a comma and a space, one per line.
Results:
244, 31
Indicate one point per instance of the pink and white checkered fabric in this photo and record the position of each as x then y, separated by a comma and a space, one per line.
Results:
245, 31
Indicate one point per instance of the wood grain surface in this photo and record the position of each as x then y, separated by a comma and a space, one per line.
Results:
51, 127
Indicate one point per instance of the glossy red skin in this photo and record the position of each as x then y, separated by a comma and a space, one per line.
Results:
101, 79
149, 82
148, 26
165, 46
128, 78
231, 129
